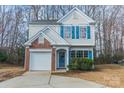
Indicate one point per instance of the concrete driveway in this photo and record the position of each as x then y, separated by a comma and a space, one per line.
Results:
43, 80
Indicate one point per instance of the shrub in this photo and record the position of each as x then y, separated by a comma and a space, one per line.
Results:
81, 64
86, 64
74, 64
3, 57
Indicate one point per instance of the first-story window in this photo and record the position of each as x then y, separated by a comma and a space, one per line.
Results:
85, 54
79, 54
73, 54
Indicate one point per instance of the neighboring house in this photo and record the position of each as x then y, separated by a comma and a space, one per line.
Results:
52, 43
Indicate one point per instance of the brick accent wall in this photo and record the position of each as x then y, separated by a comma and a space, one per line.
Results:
36, 44
27, 58
53, 59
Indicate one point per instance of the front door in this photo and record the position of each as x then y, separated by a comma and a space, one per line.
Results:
61, 59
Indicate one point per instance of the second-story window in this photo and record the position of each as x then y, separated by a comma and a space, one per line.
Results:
75, 32
67, 31
82, 32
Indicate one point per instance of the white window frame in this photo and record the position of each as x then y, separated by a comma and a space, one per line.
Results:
81, 32
82, 51
67, 32
84, 25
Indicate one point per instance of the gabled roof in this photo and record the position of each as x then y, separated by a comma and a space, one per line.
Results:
53, 37
89, 20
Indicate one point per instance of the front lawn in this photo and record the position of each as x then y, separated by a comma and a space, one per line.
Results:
8, 71
108, 74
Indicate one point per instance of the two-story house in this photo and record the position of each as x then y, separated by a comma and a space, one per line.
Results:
52, 43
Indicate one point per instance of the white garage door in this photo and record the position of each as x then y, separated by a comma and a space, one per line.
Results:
40, 60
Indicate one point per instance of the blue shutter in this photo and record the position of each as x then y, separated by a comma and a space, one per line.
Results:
77, 32
62, 31
90, 55
73, 32
88, 32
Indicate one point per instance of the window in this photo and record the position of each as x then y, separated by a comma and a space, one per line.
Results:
79, 54
67, 31
82, 32
75, 32
73, 54
85, 54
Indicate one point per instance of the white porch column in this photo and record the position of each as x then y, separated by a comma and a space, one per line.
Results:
67, 61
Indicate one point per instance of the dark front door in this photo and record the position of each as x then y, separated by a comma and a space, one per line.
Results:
61, 59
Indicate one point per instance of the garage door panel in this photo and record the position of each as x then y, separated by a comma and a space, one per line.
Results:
40, 61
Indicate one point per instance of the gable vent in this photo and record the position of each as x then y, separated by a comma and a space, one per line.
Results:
75, 15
